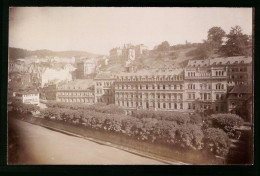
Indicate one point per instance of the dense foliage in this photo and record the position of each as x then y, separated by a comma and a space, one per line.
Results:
168, 128
216, 141
226, 122
236, 44
24, 108
110, 109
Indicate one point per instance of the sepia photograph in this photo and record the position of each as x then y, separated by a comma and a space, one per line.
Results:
130, 86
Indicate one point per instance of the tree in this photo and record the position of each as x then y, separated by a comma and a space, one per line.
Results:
215, 36
237, 43
164, 46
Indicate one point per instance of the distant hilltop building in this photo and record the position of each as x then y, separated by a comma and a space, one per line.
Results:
127, 51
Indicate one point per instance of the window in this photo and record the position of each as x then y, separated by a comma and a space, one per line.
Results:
193, 106
181, 106
146, 86
217, 96
163, 87
170, 106
158, 105
164, 106
147, 105
175, 105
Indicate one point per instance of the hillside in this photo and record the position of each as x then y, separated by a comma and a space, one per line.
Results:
16, 53
175, 58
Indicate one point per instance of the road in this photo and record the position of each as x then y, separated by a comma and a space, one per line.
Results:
39, 145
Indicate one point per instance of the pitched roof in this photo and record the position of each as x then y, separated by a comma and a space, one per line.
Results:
104, 75
152, 73
230, 60
219, 61
198, 63
79, 84
241, 89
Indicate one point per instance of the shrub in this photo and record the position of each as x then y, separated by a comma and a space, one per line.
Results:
178, 117
216, 141
190, 135
171, 128
226, 122
99, 107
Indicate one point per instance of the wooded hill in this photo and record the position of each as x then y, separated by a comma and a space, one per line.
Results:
18, 53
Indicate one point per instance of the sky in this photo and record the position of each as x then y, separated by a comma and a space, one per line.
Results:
99, 29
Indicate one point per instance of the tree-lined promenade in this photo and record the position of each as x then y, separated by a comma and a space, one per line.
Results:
183, 132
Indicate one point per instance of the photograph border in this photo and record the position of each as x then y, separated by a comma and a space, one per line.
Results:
135, 169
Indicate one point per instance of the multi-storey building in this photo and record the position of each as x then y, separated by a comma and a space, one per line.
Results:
48, 92
116, 52
140, 49
80, 90
104, 88
27, 97
157, 91
239, 101
239, 69
85, 69
205, 87
127, 51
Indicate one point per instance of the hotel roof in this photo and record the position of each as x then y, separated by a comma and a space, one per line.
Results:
79, 84
220, 61
230, 60
105, 75
152, 73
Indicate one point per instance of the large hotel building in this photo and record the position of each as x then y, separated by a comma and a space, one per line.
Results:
201, 85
